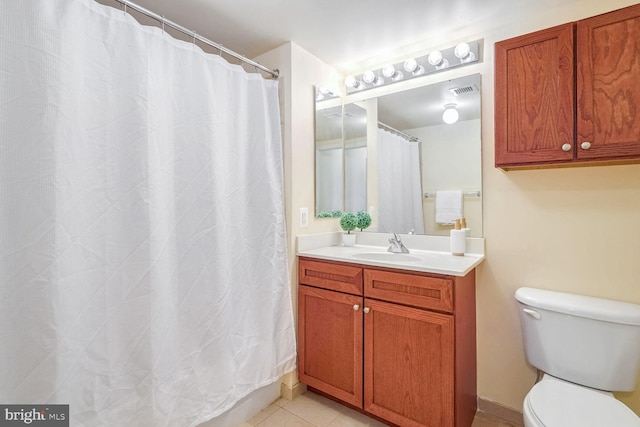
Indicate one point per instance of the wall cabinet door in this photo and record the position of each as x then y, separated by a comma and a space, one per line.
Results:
330, 334
409, 365
608, 85
534, 98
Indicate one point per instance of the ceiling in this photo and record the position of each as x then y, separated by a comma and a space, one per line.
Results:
346, 34
349, 35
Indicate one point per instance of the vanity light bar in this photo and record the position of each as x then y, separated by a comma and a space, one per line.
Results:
438, 60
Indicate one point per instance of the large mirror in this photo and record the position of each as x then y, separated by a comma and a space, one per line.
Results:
420, 171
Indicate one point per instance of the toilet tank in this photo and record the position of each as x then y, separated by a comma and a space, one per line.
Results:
590, 341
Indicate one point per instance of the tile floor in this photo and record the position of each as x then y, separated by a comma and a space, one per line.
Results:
312, 410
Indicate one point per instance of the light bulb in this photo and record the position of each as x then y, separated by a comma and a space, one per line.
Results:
391, 72
463, 51
410, 65
450, 115
368, 77
436, 59
388, 70
352, 82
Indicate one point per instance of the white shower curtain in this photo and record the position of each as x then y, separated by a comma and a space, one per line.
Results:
143, 259
399, 185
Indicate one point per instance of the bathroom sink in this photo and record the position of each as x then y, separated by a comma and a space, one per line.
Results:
386, 256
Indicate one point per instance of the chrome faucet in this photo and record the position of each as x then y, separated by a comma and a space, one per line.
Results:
396, 245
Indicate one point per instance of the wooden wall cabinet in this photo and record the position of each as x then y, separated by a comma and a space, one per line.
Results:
568, 95
398, 345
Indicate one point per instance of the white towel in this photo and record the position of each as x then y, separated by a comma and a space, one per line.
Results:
448, 206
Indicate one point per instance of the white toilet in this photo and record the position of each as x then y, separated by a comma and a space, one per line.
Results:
586, 347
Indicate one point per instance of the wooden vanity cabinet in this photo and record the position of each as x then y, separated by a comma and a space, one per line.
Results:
568, 95
402, 349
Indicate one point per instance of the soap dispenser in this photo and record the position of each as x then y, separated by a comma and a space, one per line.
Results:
464, 227
457, 237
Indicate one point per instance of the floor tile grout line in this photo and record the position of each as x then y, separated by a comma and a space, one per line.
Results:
309, 421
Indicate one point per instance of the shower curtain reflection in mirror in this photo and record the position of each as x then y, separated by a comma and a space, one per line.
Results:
341, 159
143, 255
399, 184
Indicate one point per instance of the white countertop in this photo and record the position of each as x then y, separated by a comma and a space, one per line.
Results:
428, 253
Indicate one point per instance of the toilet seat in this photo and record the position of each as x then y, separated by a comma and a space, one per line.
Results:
556, 403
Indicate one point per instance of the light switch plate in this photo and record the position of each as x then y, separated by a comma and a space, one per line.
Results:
304, 217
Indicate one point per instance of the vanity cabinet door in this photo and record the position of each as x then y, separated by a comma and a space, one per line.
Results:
409, 365
534, 98
608, 85
330, 334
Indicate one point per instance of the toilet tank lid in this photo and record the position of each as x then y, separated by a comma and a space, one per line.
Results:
580, 305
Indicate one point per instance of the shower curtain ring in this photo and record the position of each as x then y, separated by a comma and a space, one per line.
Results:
125, 8
194, 37
163, 23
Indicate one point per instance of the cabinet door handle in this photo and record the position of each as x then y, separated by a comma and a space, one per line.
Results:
566, 147
366, 309
356, 307
585, 145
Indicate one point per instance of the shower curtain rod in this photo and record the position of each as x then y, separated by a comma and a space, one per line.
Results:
274, 73
399, 133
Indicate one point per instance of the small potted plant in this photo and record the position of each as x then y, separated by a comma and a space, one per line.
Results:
348, 222
364, 220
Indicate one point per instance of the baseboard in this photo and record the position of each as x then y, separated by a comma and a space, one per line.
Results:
500, 411
291, 393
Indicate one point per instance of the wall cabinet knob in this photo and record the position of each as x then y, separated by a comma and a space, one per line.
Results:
366, 309
585, 145
356, 307
566, 147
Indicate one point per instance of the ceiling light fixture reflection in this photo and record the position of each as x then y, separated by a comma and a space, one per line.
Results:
324, 93
450, 115
463, 51
437, 60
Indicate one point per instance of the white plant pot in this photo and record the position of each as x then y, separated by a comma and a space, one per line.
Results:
349, 239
